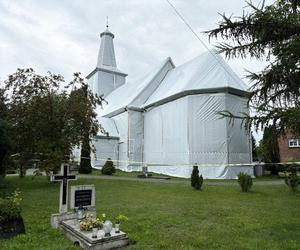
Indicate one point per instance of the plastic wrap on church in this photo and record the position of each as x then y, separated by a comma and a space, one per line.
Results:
189, 131
168, 119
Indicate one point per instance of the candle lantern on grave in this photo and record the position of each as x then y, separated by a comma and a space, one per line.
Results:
80, 213
107, 227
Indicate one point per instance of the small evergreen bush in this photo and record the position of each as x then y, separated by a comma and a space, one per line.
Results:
196, 181
292, 180
245, 181
108, 168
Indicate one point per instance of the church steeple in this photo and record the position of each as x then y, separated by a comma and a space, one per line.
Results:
106, 56
106, 77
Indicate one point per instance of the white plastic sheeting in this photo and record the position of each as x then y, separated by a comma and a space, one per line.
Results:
130, 91
206, 71
105, 148
172, 135
109, 126
121, 122
189, 131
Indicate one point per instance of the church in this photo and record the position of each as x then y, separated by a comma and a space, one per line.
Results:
168, 118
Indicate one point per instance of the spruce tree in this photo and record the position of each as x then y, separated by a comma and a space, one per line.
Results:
269, 32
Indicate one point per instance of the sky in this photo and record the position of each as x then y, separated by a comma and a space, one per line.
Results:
62, 36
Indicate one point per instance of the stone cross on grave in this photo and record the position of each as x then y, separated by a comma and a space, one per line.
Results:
63, 178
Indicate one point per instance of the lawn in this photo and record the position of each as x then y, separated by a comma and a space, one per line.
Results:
170, 216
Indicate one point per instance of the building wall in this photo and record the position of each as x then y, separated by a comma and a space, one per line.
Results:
103, 83
105, 148
288, 153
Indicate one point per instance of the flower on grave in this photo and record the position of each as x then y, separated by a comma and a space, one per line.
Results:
89, 222
86, 226
97, 223
121, 218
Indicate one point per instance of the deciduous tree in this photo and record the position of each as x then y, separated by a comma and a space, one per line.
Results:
47, 119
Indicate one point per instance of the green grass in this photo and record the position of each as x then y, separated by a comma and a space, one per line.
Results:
171, 216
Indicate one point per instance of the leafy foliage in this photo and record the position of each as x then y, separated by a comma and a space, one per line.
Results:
108, 168
245, 181
5, 133
271, 32
48, 121
292, 180
196, 180
10, 206
121, 218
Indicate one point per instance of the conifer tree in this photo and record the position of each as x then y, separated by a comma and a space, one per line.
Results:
196, 181
272, 33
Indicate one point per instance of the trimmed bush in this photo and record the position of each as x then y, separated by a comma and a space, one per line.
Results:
292, 180
108, 168
196, 181
245, 181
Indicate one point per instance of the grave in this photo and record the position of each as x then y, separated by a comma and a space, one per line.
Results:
84, 239
82, 198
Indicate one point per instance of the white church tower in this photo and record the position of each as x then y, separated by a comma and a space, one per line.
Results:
106, 77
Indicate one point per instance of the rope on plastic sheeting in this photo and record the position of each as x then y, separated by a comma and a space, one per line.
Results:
152, 164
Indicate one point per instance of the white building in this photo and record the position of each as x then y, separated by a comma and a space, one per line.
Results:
168, 118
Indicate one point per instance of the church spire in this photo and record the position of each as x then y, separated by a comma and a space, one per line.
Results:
106, 56
106, 77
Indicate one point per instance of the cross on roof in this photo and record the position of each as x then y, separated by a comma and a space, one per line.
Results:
63, 178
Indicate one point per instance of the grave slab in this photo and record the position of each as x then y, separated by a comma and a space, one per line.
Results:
84, 239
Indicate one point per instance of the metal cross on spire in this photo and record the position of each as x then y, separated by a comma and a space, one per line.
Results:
107, 22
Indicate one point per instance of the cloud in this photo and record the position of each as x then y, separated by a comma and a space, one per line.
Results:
63, 36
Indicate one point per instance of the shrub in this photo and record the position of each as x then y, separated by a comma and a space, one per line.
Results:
245, 181
108, 168
10, 207
292, 180
196, 181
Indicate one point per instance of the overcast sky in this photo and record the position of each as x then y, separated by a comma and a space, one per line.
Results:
63, 36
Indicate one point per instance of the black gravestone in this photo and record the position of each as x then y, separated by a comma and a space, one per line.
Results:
83, 198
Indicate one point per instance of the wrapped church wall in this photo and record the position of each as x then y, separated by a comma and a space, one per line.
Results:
105, 148
135, 140
121, 122
166, 138
215, 141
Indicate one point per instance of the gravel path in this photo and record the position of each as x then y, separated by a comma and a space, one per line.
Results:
208, 182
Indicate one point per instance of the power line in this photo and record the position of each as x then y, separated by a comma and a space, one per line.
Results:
197, 36
189, 26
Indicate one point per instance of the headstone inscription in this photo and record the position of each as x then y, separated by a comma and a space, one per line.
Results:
63, 178
82, 196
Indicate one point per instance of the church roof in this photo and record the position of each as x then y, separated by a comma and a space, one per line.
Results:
206, 72
127, 93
